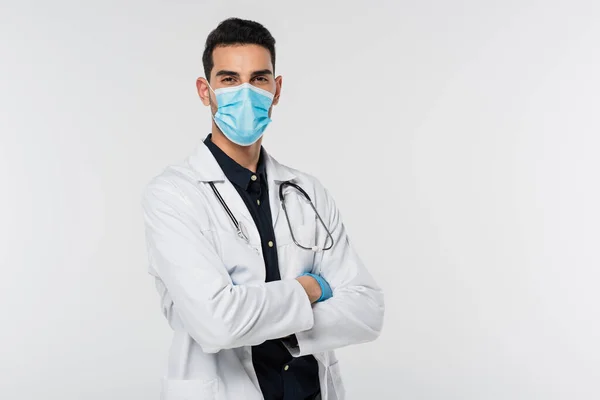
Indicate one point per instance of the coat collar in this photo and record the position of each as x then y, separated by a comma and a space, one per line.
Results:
238, 175
207, 169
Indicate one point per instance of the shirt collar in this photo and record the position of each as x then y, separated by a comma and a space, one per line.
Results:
204, 166
237, 174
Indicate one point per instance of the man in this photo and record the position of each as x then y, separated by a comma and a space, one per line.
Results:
258, 292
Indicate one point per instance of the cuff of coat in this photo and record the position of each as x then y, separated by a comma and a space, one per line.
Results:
302, 310
310, 341
305, 314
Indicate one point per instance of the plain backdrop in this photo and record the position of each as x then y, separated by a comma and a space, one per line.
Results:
459, 138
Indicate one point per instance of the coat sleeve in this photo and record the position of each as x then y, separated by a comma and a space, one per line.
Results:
214, 312
355, 312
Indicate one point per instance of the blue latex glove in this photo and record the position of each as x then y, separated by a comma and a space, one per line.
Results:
326, 291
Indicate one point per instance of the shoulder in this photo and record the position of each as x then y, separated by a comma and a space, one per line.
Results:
171, 186
311, 184
285, 172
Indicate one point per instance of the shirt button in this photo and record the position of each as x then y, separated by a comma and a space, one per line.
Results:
258, 202
286, 367
253, 177
270, 243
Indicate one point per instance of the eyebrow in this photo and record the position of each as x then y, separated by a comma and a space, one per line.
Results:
261, 72
232, 73
225, 72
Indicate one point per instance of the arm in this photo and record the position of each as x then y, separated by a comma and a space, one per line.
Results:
355, 312
311, 287
214, 312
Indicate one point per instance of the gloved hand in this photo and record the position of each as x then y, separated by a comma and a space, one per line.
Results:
326, 291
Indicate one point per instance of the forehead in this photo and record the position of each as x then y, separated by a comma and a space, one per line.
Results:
241, 58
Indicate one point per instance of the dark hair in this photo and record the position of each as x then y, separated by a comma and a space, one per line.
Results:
236, 31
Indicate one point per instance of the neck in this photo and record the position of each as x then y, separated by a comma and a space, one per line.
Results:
246, 156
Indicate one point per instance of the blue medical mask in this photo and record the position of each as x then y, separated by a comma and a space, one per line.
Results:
243, 112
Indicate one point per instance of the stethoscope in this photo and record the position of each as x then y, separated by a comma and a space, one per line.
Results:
241, 233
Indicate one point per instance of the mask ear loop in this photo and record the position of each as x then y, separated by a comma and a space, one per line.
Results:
210, 87
209, 98
210, 103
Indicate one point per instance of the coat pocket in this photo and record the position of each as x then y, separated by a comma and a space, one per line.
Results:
192, 389
294, 260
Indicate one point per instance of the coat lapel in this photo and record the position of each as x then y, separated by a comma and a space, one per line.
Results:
276, 174
207, 169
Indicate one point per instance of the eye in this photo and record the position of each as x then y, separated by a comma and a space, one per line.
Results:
228, 79
260, 79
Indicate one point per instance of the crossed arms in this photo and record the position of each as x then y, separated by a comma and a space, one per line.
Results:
198, 296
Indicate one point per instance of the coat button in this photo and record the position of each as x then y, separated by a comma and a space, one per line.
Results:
286, 367
270, 243
253, 177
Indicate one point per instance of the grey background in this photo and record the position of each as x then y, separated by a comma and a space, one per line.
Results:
459, 138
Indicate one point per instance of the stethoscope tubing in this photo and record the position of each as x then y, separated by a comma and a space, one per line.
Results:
228, 210
282, 200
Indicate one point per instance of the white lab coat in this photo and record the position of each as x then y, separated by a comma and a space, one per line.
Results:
212, 283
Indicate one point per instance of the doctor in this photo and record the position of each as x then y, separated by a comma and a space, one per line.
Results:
258, 286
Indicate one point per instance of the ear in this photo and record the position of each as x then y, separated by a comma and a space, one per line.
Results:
278, 83
203, 90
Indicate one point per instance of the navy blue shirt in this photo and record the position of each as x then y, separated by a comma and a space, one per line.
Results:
281, 376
